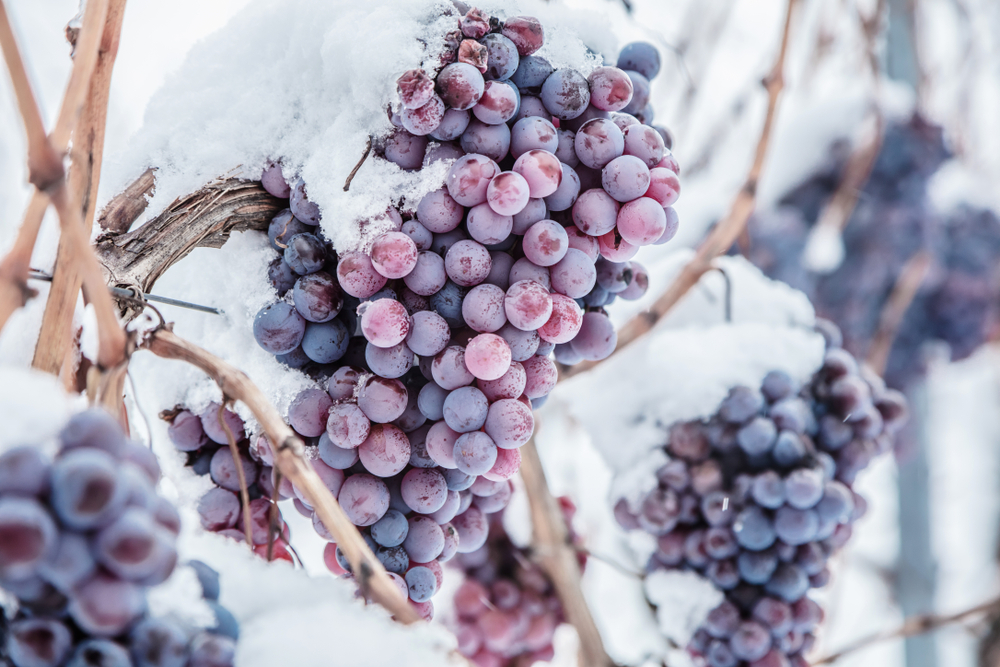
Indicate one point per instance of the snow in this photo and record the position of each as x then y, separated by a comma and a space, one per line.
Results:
683, 600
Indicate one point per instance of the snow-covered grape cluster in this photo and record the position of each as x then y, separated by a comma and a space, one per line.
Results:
894, 220
205, 442
506, 610
431, 347
81, 538
758, 497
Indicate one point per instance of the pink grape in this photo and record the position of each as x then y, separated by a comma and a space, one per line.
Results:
565, 93
597, 337
488, 226
525, 32
507, 194
429, 333
541, 374
545, 243
357, 275
610, 88
420, 235
384, 322
528, 305
524, 269
669, 162
566, 152
467, 263
598, 142
465, 409
541, 170
475, 453
624, 120
492, 141
424, 490
394, 254
424, 539
460, 86
428, 275
308, 411
487, 356
565, 321
364, 499
440, 444
223, 469
645, 143
386, 450
500, 265
625, 178
638, 285
415, 88
105, 605
664, 186
449, 369
523, 344
509, 385
672, 225
590, 113
574, 275
347, 426
532, 212
448, 510
405, 150
533, 133
506, 466
640, 93
452, 125
498, 103
424, 120
186, 432
583, 242
381, 399
472, 52
595, 212
467, 181
483, 309
509, 423
274, 182
531, 107
438, 212
565, 195
473, 528
641, 221
616, 249
218, 509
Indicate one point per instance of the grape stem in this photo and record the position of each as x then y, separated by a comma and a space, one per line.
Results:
84, 178
553, 552
289, 458
272, 518
915, 625
908, 283
350, 176
725, 233
240, 473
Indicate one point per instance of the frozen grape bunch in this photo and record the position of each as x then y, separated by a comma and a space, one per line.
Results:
81, 539
759, 497
431, 346
506, 610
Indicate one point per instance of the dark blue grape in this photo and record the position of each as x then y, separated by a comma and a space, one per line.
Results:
757, 567
99, 653
325, 343
305, 254
279, 328
754, 529
789, 583
531, 74
158, 642
640, 57
391, 529
422, 583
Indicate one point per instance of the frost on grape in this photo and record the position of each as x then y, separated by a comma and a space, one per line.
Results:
682, 600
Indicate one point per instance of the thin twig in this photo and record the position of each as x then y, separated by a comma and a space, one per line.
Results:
289, 457
610, 562
908, 283
240, 474
727, 230
557, 558
350, 176
915, 625
272, 519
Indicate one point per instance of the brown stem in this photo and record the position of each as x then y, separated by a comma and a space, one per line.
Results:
84, 178
725, 233
350, 176
551, 548
908, 283
915, 625
289, 458
240, 474
119, 213
272, 519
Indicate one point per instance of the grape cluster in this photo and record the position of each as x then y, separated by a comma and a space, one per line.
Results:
81, 538
506, 608
957, 302
205, 442
431, 347
758, 497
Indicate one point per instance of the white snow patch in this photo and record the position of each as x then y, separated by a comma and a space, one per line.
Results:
683, 600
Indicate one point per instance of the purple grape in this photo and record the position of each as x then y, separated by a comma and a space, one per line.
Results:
804, 488
392, 362
753, 529
424, 490
531, 107
626, 178
490, 141
429, 334
391, 529
105, 606
788, 583
565, 93
533, 133
283, 227
483, 308
87, 491
465, 409
405, 150
673, 223
467, 263
424, 539
460, 86
305, 253
468, 180
598, 142
566, 194
522, 344
223, 469
342, 458
274, 182
428, 275
502, 60
218, 509
545, 243
208, 650
566, 151
38, 642
473, 529
421, 583
794, 526
25, 470
452, 125
498, 103
531, 73
500, 265
386, 450
789, 449
343, 384
449, 368
364, 499
303, 209
595, 212
308, 412
769, 490
475, 453
133, 547
757, 567
279, 328
574, 275
159, 642
640, 95
486, 225
641, 57
525, 32
325, 343
357, 276
610, 88
525, 269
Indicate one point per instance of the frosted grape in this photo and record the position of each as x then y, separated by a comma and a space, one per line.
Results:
565, 93
566, 194
645, 143
307, 413
343, 383
460, 86
574, 275
533, 133
305, 253
357, 276
106, 606
532, 212
394, 254
87, 491
595, 212
491, 141
384, 322
487, 356
467, 263
523, 344
343, 457
541, 170
507, 194
405, 150
325, 342
509, 385
541, 376
483, 308
565, 321
303, 209
424, 539
640, 94
641, 57
473, 529
566, 152
531, 107
509, 423
317, 297
641, 221
475, 453
610, 88
452, 125
502, 60
486, 225
449, 370
223, 469
615, 248
381, 399
500, 265
597, 337
438, 212
468, 180
545, 243
428, 275
38, 642
664, 186
625, 178
465, 409
274, 181
415, 88
638, 285
424, 120
424, 490
429, 333
598, 142
498, 103
528, 305
364, 499
279, 328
